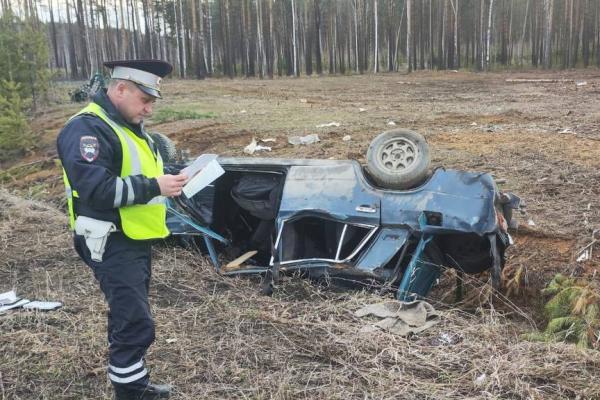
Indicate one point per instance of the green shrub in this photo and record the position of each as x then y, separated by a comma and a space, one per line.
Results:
24, 55
573, 312
15, 134
169, 115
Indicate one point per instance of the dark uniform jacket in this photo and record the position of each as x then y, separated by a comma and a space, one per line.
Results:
91, 154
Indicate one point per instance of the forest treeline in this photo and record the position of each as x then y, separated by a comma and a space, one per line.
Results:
265, 38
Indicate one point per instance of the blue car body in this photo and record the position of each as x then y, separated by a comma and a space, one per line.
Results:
326, 217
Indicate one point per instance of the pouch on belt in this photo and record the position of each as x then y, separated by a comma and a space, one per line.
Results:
96, 233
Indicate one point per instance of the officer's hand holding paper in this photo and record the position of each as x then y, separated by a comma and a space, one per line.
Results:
203, 171
171, 185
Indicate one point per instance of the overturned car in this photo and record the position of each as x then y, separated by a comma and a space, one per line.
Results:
393, 222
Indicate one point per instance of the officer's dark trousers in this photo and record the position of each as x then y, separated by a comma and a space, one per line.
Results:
124, 278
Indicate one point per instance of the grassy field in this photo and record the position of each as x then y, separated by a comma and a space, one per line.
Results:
218, 337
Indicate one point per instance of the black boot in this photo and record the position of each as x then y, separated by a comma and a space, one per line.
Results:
150, 392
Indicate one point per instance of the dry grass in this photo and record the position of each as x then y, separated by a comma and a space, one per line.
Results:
219, 338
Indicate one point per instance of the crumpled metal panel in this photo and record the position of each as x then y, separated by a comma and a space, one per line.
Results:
385, 245
465, 201
334, 189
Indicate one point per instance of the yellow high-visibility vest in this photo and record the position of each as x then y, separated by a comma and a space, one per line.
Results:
138, 221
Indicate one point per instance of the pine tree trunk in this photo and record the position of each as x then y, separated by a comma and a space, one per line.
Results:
183, 56
409, 35
92, 42
548, 11
376, 55
455, 60
53, 35
489, 35
84, 40
355, 2
430, 35
71, 39
210, 37
124, 34
317, 38
272, 46
522, 44
421, 37
294, 46
148, 41
397, 43
261, 54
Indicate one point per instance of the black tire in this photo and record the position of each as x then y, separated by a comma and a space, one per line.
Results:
165, 146
398, 159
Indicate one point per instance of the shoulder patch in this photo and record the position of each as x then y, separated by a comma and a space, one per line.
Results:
89, 148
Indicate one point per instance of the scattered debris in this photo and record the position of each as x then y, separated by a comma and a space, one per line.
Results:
243, 112
254, 147
171, 340
303, 101
308, 139
10, 300
362, 109
42, 305
330, 124
391, 123
399, 317
88, 89
521, 80
530, 222
8, 297
584, 255
480, 380
445, 339
582, 83
491, 128
235, 264
567, 130
268, 140
473, 123
347, 138
587, 252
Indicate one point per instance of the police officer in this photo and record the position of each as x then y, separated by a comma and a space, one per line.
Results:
115, 185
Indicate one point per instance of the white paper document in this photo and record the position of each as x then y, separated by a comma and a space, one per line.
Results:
16, 304
199, 163
42, 305
203, 171
8, 297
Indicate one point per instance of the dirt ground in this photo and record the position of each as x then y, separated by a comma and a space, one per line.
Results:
217, 338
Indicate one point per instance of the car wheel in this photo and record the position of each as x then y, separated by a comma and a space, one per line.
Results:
398, 159
166, 147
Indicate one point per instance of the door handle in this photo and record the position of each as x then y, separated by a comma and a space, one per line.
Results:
366, 209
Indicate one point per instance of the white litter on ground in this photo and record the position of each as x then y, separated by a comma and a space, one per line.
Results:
308, 139
330, 124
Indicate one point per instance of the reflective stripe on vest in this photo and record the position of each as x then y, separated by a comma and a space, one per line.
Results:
138, 221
